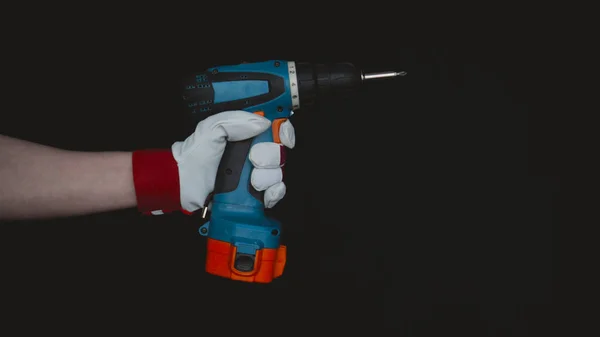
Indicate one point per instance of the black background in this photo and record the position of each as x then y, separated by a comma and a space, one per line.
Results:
411, 206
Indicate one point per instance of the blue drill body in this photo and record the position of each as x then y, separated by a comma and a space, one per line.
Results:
238, 217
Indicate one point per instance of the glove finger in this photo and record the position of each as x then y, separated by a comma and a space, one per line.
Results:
274, 194
237, 124
287, 134
267, 155
261, 178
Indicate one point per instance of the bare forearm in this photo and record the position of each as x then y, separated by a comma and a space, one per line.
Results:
38, 181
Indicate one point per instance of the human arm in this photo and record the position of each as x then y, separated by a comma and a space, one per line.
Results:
38, 181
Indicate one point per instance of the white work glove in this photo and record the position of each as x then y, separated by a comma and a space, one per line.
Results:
198, 156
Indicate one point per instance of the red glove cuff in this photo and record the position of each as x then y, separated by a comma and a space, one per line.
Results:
156, 181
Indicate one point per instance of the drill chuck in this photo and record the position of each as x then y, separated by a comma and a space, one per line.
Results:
316, 81
319, 80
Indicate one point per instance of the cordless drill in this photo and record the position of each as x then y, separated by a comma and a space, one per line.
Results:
243, 243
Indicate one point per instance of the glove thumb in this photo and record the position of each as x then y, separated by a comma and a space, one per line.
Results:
239, 125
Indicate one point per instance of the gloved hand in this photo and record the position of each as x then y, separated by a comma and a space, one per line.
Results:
183, 177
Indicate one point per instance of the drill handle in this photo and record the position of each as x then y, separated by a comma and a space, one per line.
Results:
232, 184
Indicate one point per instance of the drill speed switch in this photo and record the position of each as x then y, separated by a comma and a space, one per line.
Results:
243, 243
